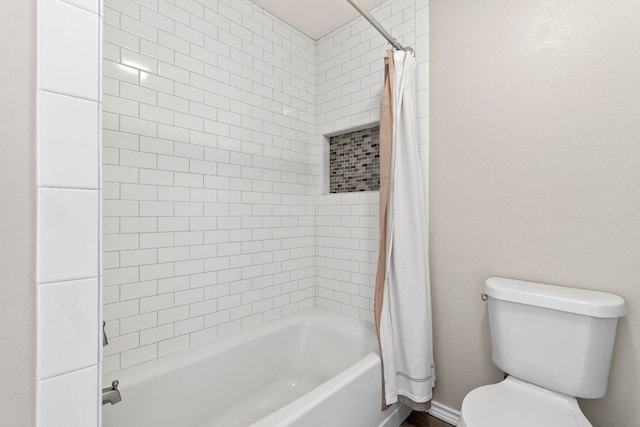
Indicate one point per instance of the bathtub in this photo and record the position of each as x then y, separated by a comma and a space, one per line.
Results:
314, 369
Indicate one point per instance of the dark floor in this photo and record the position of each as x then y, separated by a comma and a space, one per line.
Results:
420, 419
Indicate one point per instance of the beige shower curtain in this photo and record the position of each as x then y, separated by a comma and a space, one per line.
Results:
402, 296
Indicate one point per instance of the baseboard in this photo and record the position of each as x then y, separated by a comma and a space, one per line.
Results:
444, 413
398, 415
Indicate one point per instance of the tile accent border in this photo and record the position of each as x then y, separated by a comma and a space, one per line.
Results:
68, 213
354, 161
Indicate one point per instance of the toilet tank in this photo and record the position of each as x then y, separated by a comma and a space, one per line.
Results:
556, 337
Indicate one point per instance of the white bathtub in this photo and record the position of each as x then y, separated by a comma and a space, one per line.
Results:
313, 369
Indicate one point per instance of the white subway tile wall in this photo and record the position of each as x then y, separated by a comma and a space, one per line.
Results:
215, 217
208, 168
350, 73
68, 217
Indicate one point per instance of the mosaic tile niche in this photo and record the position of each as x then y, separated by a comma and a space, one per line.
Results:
354, 161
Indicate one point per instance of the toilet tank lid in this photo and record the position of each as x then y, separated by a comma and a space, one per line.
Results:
562, 298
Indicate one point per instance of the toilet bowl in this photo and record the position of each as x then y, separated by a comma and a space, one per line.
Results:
516, 403
555, 343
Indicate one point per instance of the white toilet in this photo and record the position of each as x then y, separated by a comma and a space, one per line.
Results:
555, 343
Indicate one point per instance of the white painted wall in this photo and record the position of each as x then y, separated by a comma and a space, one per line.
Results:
534, 173
18, 213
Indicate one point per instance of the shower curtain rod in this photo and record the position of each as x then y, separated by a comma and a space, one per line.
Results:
377, 26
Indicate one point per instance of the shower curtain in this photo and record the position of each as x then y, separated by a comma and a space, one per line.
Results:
403, 296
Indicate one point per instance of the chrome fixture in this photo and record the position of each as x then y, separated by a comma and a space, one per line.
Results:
105, 341
379, 27
111, 394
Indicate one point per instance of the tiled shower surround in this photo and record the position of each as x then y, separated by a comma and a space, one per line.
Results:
214, 218
354, 161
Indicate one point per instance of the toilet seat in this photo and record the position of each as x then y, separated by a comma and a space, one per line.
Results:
516, 403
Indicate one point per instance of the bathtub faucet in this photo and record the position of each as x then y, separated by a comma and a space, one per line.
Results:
111, 394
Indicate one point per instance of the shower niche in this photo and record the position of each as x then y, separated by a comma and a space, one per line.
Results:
352, 160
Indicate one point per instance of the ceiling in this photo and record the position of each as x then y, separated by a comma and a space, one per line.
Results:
315, 18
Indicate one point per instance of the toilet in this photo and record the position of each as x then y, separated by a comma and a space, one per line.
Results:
555, 344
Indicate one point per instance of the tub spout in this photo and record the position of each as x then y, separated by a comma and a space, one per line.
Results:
111, 394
